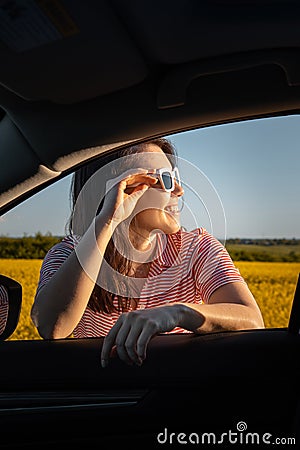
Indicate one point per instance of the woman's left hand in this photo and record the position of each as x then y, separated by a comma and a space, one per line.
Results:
133, 330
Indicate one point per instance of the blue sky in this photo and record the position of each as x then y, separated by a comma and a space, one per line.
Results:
253, 167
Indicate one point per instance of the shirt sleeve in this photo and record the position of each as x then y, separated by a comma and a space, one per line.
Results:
55, 257
213, 267
3, 308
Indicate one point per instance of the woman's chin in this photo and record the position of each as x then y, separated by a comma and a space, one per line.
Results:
172, 227
173, 222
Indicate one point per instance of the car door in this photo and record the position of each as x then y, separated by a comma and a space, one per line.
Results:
206, 388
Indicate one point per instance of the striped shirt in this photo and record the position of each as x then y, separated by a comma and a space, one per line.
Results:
192, 265
3, 308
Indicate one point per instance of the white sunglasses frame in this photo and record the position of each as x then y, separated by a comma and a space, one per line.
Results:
158, 173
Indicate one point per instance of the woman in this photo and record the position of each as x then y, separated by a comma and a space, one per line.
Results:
127, 271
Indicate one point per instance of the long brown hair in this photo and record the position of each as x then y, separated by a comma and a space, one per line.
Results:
101, 300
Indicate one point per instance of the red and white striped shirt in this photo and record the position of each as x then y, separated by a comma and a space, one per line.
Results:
191, 267
3, 308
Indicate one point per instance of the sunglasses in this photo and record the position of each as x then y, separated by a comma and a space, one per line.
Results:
167, 178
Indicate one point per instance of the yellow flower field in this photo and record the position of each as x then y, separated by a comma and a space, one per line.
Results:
26, 272
272, 284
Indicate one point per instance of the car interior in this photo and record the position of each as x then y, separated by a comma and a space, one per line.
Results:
81, 78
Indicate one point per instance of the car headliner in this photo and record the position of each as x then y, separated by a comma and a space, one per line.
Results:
117, 72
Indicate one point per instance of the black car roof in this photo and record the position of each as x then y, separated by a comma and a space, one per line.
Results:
82, 77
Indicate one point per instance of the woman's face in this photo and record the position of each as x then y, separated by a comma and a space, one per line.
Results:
157, 209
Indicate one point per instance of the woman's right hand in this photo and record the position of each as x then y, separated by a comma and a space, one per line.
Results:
123, 193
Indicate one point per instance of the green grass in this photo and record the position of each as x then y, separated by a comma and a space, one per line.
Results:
272, 253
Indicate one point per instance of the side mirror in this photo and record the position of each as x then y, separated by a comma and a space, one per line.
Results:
10, 310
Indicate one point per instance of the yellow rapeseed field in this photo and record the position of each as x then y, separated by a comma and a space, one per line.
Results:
272, 284
26, 272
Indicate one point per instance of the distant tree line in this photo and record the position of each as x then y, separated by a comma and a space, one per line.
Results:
265, 256
263, 241
36, 247
27, 247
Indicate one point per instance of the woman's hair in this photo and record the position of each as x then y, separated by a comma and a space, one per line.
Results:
101, 300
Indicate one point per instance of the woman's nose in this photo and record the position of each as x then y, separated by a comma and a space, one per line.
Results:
178, 191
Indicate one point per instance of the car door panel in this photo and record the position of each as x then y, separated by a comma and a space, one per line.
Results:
194, 382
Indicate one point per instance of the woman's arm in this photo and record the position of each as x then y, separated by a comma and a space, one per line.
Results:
60, 304
230, 307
